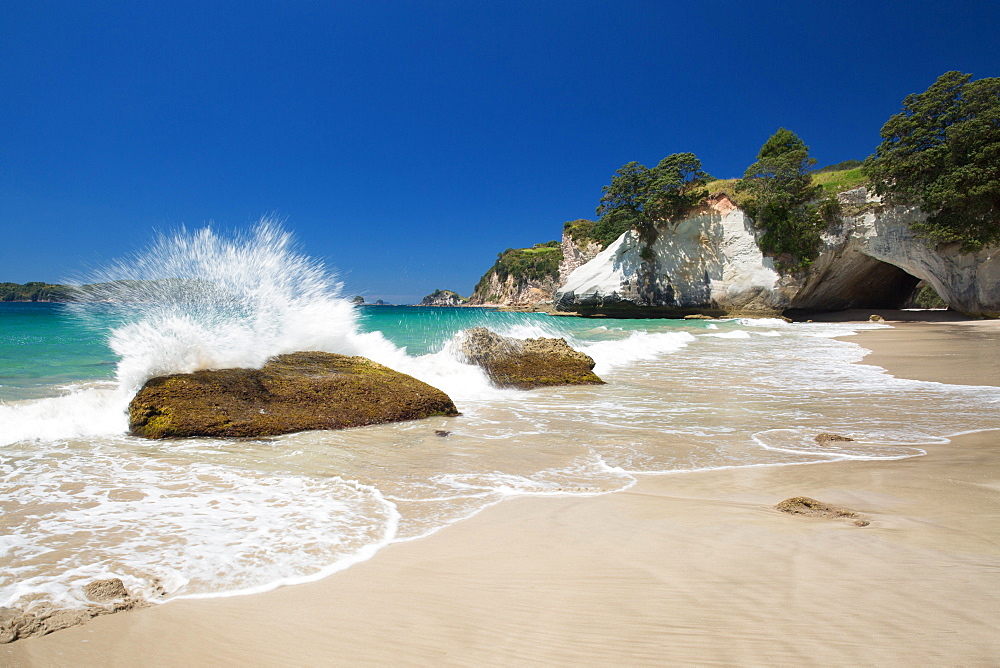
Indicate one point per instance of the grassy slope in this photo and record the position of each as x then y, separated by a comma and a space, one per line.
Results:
831, 182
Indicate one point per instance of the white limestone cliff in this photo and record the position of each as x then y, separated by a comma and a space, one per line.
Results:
711, 262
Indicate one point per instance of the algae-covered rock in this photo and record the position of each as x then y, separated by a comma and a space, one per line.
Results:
294, 392
527, 363
825, 439
803, 505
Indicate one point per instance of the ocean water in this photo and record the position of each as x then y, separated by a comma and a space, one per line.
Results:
80, 499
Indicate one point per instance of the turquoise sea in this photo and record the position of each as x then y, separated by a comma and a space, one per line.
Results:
80, 499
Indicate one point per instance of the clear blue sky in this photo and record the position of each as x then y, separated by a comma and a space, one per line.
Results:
406, 143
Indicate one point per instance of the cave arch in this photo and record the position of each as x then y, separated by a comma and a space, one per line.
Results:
868, 283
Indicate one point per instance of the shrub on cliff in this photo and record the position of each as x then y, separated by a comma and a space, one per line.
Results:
942, 152
780, 197
581, 231
641, 198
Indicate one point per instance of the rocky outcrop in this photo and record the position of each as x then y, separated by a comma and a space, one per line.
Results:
576, 253
711, 262
514, 291
295, 392
968, 282
443, 298
708, 262
527, 363
537, 275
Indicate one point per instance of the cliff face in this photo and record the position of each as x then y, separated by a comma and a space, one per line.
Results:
711, 262
513, 291
531, 276
575, 255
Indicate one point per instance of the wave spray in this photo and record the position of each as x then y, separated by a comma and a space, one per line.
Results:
203, 300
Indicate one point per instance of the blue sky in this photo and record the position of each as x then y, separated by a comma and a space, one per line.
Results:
407, 143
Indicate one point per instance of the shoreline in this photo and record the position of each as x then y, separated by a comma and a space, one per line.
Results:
682, 568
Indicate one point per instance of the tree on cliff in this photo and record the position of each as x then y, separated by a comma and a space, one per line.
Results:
640, 198
942, 152
780, 198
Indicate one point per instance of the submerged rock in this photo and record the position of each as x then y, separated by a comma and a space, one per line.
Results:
826, 438
803, 505
294, 392
105, 590
527, 363
45, 618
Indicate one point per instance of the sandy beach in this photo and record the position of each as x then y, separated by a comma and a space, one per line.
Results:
681, 569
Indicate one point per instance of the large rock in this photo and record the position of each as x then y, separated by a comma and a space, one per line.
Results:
527, 363
711, 262
295, 392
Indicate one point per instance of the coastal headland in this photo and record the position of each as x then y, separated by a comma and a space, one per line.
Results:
684, 568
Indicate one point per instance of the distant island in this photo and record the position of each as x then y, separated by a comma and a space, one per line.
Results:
444, 298
35, 292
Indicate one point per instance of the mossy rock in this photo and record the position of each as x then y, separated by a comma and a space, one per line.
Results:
294, 392
527, 363
805, 506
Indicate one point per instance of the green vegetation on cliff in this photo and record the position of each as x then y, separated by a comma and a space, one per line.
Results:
942, 153
780, 188
782, 198
641, 198
580, 231
832, 180
838, 181
844, 166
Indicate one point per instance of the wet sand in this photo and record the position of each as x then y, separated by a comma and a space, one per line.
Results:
688, 568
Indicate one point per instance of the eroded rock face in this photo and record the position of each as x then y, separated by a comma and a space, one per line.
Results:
527, 363
295, 392
524, 292
711, 262
513, 291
